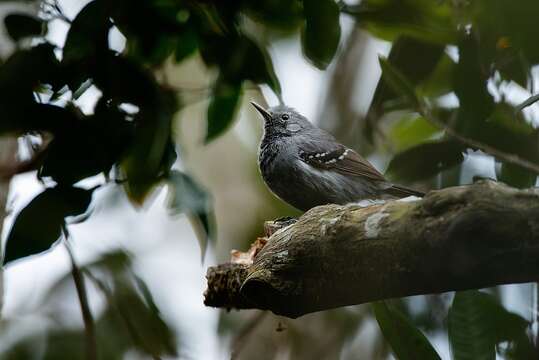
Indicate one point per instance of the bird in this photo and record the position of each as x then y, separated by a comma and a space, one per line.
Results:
306, 166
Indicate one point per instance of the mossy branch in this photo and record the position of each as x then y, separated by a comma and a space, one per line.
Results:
457, 238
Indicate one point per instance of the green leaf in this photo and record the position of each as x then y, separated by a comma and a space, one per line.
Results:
22, 25
516, 176
403, 56
40, 223
421, 19
425, 160
222, 108
411, 131
320, 38
185, 195
398, 82
152, 153
88, 33
407, 341
148, 332
477, 323
187, 45
239, 58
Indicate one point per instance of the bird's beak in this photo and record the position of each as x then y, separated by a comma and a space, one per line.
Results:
261, 110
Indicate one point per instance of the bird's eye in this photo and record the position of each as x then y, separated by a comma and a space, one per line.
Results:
284, 116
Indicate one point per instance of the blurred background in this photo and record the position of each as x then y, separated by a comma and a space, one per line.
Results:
471, 62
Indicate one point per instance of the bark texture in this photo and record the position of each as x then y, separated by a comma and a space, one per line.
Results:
453, 239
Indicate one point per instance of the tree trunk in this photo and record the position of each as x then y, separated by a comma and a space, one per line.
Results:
457, 238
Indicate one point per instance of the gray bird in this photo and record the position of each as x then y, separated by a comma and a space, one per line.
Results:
305, 166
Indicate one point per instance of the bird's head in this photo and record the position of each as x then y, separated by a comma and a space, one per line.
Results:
282, 120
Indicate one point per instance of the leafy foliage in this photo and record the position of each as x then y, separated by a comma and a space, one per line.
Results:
478, 325
407, 342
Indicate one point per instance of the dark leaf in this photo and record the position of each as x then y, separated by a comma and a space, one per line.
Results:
281, 14
470, 86
152, 152
185, 195
516, 176
151, 27
124, 80
477, 323
222, 108
422, 19
320, 38
26, 69
187, 45
239, 58
403, 56
425, 160
86, 43
40, 223
398, 82
88, 146
407, 341
20, 26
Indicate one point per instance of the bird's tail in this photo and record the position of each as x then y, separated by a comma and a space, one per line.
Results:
401, 191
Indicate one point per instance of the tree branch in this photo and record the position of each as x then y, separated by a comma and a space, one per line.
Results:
457, 238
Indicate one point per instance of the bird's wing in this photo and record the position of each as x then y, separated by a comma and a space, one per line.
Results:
330, 155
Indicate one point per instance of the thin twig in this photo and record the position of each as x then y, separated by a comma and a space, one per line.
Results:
89, 327
510, 158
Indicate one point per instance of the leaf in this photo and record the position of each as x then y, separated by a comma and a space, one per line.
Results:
87, 146
398, 82
322, 32
187, 45
281, 14
185, 195
528, 102
124, 80
86, 44
239, 58
24, 70
421, 19
425, 160
411, 131
407, 342
477, 323
152, 153
22, 25
40, 223
403, 56
138, 317
222, 108
150, 27
516, 176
